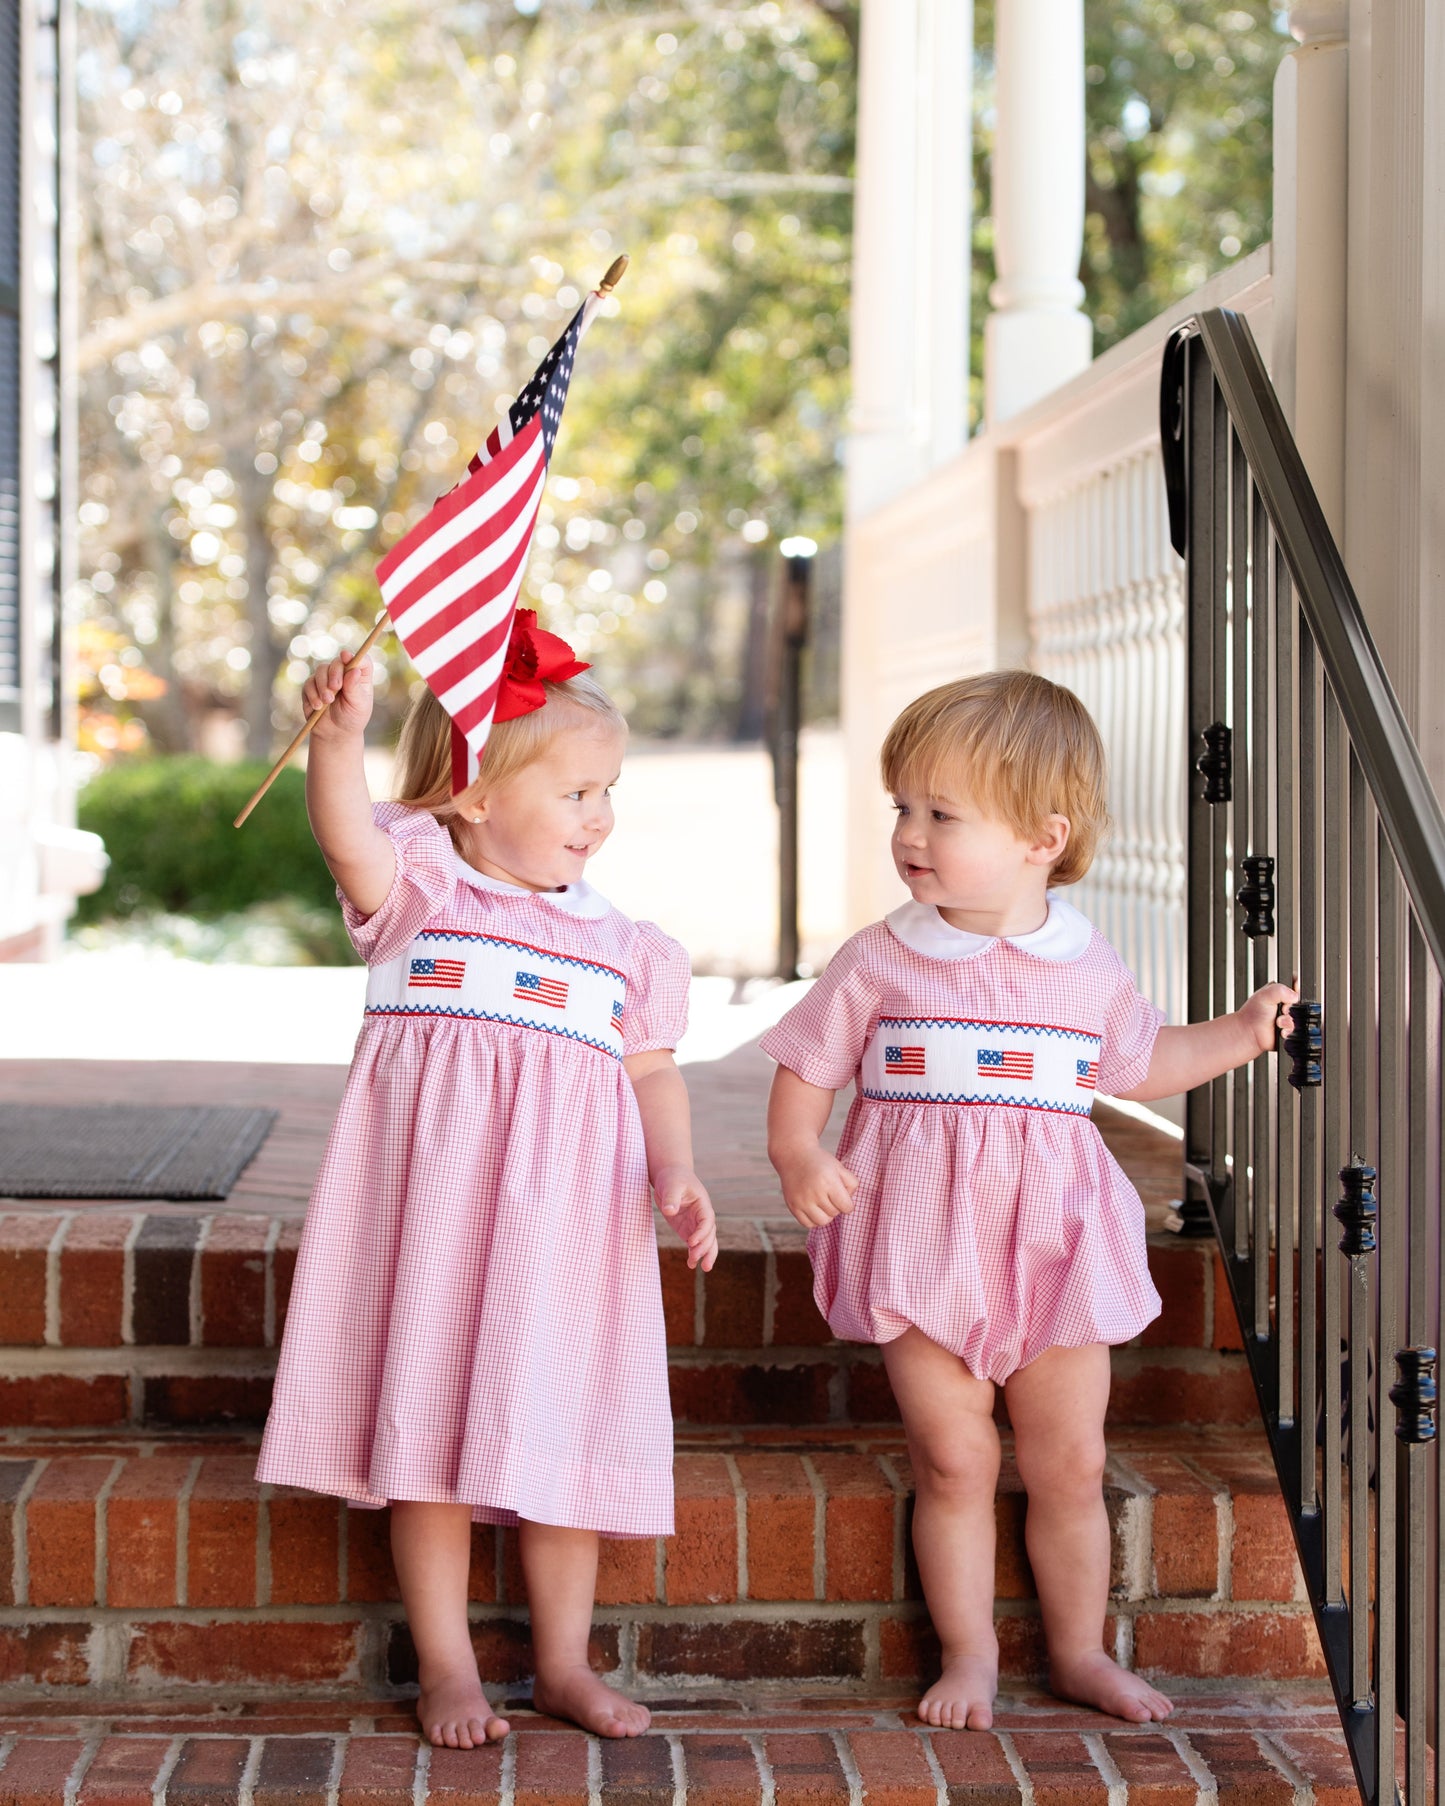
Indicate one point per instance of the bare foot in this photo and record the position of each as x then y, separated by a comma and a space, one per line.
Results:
961, 1699
1096, 1680
453, 1711
578, 1694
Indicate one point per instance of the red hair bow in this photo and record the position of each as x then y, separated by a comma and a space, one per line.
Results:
534, 657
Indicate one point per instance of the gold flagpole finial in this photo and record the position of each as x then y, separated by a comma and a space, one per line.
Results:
616, 271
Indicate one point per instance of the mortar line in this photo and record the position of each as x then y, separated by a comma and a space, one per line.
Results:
755, 1743
770, 1284
183, 1533
268, 1306
1093, 1742
52, 1279
679, 1769
21, 1521
820, 1529
1194, 1762
1016, 1763
1277, 1759
263, 1546
849, 1766
594, 1766
193, 1291
166, 1770
102, 1534
508, 1778
127, 1281
81, 1765
740, 1505
935, 1768
247, 1783
900, 1521
420, 1774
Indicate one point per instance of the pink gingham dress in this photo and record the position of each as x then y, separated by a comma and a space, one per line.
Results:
476, 1315
988, 1212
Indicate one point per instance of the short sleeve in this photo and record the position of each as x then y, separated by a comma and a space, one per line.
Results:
426, 875
822, 1038
1130, 1028
655, 1014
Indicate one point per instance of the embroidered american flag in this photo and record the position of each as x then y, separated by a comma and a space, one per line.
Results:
437, 974
1005, 1063
1088, 1073
903, 1060
451, 585
617, 1014
534, 987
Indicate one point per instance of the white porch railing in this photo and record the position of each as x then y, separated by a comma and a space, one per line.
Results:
1045, 542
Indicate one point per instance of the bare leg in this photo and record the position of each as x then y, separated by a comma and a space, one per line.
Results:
431, 1546
948, 1415
1057, 1405
561, 1570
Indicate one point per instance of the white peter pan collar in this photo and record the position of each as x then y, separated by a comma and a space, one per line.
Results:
573, 899
1065, 934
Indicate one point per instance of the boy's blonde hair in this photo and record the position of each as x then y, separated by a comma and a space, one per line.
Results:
424, 751
1018, 746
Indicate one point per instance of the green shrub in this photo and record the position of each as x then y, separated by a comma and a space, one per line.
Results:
166, 823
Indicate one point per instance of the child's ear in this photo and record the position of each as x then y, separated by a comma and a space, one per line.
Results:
1053, 837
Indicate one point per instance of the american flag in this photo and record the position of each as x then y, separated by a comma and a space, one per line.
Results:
903, 1059
1005, 1063
1088, 1073
437, 974
451, 585
617, 1014
532, 987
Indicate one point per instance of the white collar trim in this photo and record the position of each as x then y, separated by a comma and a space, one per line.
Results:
574, 899
1065, 934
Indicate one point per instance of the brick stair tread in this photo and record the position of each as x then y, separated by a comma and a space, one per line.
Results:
1281, 1746
791, 1561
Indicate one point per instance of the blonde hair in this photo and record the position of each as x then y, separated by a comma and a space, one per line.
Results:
424, 750
1020, 747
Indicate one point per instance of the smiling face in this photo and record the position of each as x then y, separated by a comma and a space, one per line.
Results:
540, 826
976, 869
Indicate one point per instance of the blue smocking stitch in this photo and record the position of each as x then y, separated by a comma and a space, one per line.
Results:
542, 1028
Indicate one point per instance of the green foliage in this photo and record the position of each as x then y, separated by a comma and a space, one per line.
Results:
166, 823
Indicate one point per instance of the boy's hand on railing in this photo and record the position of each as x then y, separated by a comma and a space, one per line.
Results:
816, 1186
347, 687
1263, 1017
683, 1200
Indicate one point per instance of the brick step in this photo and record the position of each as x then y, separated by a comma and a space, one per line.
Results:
1217, 1750
138, 1565
172, 1317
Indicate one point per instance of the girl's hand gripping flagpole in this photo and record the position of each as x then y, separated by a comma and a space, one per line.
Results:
608, 283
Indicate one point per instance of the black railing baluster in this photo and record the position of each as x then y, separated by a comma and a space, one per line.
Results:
1358, 840
1286, 752
1261, 927
1239, 626
1311, 1098
1336, 1125
1391, 1266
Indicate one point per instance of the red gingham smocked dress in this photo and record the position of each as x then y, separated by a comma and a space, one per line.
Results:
476, 1315
988, 1212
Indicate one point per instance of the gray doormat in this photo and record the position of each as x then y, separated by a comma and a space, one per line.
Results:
126, 1150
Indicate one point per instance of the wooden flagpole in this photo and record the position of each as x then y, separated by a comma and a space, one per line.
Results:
616, 271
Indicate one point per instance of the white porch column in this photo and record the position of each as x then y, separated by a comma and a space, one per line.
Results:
1311, 193
1037, 338
945, 171
885, 447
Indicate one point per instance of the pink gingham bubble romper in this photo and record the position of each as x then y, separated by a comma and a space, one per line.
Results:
476, 1315
989, 1214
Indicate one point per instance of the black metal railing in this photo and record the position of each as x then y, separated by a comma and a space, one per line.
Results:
1316, 847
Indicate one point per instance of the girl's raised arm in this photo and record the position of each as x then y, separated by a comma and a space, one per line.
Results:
337, 800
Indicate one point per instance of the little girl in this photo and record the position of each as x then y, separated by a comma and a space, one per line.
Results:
974, 1224
475, 1330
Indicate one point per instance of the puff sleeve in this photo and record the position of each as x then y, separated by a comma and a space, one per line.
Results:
1130, 1027
421, 889
822, 1038
655, 1014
